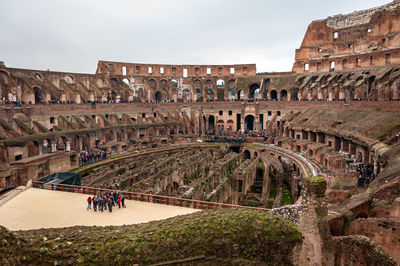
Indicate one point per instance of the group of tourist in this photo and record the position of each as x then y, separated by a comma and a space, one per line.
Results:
365, 174
106, 200
87, 156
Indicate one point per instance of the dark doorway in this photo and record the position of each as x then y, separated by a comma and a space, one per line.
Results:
158, 96
211, 122
249, 122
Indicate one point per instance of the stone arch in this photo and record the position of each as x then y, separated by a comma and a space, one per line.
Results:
85, 141
109, 136
283, 95
61, 144
37, 76
246, 154
273, 95
211, 122
249, 122
152, 132
153, 84
164, 84
69, 79
163, 131
131, 134
220, 83
229, 125
33, 148
46, 148
5, 76
120, 134
231, 84
173, 130
38, 95
254, 89
158, 96
221, 124
75, 145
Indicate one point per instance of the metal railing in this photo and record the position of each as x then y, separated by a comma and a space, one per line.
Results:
157, 199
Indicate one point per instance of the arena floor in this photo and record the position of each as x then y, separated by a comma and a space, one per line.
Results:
38, 208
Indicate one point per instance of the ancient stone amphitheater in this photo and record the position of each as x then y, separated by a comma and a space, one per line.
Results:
299, 168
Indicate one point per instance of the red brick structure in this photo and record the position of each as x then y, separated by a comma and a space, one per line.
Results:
362, 39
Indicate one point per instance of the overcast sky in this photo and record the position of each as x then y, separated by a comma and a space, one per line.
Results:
72, 35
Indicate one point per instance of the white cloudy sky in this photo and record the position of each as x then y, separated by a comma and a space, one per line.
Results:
72, 35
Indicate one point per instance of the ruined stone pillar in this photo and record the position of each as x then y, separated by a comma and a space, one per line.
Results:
68, 146
314, 224
53, 147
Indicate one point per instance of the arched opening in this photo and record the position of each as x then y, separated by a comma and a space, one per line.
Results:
120, 135
153, 84
249, 122
231, 94
158, 96
174, 83
283, 95
33, 148
246, 155
220, 83
131, 134
197, 87
229, 125
240, 95
109, 136
254, 90
274, 95
85, 141
38, 95
220, 124
46, 148
61, 144
37, 76
152, 132
126, 81
211, 122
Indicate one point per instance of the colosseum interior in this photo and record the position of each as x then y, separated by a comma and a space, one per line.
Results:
317, 147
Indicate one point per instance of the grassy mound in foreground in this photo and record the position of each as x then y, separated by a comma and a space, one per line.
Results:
226, 233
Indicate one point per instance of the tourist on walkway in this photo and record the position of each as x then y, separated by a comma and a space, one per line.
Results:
123, 201
94, 204
89, 200
110, 205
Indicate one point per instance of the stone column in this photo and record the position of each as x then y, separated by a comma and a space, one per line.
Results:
314, 224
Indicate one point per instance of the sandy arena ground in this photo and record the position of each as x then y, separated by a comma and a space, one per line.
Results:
39, 208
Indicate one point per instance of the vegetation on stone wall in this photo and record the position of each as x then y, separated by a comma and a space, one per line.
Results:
225, 233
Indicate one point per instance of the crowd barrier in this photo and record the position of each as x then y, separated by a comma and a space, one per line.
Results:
157, 199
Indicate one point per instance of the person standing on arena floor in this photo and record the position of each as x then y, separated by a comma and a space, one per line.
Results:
123, 201
119, 202
94, 204
89, 201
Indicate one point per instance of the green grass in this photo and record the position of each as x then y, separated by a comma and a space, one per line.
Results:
287, 196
